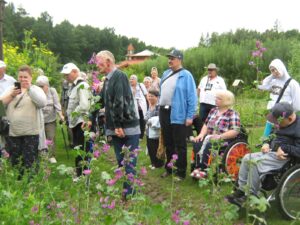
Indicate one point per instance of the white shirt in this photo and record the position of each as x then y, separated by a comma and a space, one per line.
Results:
6, 82
208, 87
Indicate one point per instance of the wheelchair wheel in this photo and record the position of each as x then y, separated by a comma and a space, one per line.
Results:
288, 193
233, 156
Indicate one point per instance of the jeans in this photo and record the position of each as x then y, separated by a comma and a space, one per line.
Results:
132, 142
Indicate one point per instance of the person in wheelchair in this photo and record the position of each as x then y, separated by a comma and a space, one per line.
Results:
273, 156
222, 123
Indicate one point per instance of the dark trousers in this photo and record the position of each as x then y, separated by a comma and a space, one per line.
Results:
201, 163
23, 152
197, 125
132, 142
204, 110
78, 139
152, 146
142, 123
175, 141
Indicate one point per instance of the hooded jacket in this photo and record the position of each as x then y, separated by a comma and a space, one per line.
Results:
275, 85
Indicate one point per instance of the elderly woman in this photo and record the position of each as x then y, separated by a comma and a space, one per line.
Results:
139, 92
222, 123
155, 78
147, 82
52, 108
26, 122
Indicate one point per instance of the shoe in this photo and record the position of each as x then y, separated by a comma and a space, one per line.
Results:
237, 198
165, 174
178, 179
52, 160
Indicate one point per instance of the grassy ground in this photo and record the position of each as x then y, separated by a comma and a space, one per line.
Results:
187, 195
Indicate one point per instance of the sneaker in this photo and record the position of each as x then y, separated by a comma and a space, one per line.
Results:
198, 174
165, 174
237, 198
178, 178
52, 160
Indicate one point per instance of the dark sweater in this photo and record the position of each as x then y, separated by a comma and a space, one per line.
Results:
288, 138
118, 102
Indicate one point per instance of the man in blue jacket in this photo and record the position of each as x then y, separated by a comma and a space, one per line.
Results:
178, 100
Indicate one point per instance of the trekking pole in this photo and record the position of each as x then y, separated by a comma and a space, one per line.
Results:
64, 137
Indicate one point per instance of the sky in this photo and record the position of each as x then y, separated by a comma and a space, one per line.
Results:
169, 23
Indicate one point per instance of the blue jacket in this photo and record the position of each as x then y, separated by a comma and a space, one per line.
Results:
184, 101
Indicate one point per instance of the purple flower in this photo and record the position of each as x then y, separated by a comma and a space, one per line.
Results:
105, 148
263, 49
186, 222
118, 173
170, 165
87, 172
175, 157
5, 154
258, 44
92, 59
130, 177
143, 171
111, 182
48, 142
35, 209
73, 209
31, 222
96, 154
112, 205
175, 217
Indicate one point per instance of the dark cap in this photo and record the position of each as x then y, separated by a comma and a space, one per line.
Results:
281, 109
176, 53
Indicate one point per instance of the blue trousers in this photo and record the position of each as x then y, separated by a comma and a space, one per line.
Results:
132, 142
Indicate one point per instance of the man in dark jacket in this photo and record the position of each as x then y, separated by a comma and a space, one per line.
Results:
273, 155
122, 123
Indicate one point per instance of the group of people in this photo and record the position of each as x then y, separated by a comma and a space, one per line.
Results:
162, 108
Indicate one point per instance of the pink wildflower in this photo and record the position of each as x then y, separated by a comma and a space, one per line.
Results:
5, 154
87, 172
105, 148
48, 142
170, 165
35, 209
143, 171
186, 222
111, 182
175, 157
175, 217
112, 205
96, 154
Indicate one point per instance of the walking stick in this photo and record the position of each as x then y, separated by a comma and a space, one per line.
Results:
64, 138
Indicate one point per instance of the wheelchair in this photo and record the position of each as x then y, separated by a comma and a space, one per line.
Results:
231, 155
283, 187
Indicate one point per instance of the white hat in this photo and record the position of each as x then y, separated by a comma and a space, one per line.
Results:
2, 64
67, 69
42, 80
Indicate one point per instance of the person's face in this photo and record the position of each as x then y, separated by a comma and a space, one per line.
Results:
275, 72
152, 99
71, 76
25, 79
174, 63
212, 72
132, 82
2, 71
147, 83
103, 65
154, 74
219, 101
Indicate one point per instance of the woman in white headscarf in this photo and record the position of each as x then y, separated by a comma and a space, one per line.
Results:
275, 83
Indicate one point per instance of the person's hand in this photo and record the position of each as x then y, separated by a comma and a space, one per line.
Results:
119, 132
199, 138
188, 122
86, 125
281, 155
15, 92
97, 87
265, 148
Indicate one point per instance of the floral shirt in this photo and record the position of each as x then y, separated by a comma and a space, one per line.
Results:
229, 120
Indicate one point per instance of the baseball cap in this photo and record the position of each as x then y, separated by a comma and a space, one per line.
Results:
176, 53
2, 64
281, 109
67, 69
